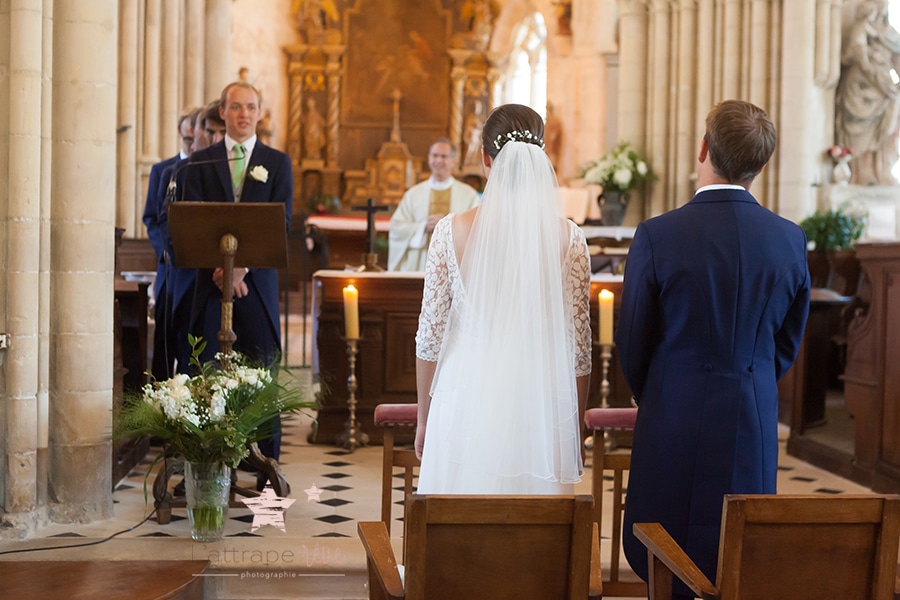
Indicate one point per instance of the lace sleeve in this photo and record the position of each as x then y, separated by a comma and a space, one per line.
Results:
437, 294
578, 287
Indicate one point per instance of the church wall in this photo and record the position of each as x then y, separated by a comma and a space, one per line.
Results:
261, 31
678, 58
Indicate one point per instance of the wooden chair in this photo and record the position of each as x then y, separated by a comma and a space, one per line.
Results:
390, 416
488, 547
602, 420
798, 547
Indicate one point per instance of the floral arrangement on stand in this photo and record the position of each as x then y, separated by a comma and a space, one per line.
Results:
618, 172
841, 155
209, 420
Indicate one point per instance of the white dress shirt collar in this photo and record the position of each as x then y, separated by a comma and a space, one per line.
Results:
248, 145
720, 186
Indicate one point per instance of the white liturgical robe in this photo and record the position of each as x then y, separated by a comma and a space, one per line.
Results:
408, 240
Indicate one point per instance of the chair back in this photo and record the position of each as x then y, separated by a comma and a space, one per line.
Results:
809, 547
488, 547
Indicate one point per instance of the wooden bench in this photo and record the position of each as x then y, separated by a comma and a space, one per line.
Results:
106, 579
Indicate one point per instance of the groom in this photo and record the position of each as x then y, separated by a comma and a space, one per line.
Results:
244, 170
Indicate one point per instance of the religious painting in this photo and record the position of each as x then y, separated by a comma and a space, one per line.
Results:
397, 46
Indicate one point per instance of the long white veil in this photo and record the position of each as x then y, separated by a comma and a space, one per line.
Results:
515, 409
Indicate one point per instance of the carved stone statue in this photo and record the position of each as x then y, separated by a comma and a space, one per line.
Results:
867, 116
313, 132
472, 136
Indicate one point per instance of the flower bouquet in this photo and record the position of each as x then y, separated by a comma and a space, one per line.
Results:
209, 420
619, 170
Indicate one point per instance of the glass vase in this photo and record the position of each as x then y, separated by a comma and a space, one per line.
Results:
206, 487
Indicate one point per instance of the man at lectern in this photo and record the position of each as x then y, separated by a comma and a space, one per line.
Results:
241, 169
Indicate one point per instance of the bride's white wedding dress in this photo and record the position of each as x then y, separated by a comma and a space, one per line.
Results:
510, 331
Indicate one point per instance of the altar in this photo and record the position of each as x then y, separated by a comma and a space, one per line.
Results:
389, 305
346, 238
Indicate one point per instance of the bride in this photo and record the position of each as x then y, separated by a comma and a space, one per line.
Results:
503, 349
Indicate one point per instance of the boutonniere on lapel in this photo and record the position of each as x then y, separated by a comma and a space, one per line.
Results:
259, 173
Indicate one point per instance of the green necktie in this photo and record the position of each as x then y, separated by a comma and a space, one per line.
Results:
237, 174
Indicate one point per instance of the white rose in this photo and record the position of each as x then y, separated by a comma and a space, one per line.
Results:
622, 178
642, 168
259, 173
594, 175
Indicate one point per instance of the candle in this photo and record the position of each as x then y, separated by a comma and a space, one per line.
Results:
606, 317
351, 312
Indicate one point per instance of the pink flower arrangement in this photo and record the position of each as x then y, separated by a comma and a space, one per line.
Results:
838, 153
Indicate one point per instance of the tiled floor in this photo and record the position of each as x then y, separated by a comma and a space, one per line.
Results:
332, 489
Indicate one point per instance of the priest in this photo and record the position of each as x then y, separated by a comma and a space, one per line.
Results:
423, 205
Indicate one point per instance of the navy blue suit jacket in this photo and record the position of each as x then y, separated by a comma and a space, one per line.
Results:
713, 310
257, 314
153, 207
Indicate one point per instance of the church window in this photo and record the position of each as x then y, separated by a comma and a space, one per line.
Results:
525, 79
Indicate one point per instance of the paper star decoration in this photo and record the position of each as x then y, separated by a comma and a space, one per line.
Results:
268, 509
313, 493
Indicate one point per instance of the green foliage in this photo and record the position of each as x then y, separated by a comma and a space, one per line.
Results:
210, 417
834, 229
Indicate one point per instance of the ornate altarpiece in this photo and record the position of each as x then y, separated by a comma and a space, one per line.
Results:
374, 69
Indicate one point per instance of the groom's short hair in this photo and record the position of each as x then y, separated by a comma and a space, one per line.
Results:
741, 139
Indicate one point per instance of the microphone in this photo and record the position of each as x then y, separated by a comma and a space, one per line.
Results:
172, 188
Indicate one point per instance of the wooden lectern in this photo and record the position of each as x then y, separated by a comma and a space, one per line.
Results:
206, 235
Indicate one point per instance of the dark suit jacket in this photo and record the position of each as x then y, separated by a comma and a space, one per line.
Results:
713, 309
258, 312
154, 205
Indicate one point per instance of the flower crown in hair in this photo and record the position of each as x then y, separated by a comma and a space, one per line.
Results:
518, 136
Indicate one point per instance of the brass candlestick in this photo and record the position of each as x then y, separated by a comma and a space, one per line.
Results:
352, 436
605, 356
370, 262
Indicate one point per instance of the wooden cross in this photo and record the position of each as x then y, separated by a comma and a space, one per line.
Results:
370, 209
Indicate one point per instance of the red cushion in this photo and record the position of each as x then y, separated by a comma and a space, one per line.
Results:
396, 414
610, 418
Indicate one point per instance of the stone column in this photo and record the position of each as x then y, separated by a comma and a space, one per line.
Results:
633, 44
759, 79
218, 47
800, 138
170, 88
194, 56
705, 96
4, 207
22, 263
81, 259
686, 143
129, 199
659, 109
43, 396
589, 121
152, 34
